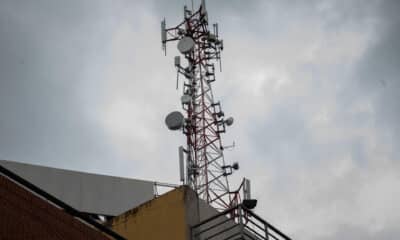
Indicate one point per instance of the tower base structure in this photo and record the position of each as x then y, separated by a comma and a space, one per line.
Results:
181, 215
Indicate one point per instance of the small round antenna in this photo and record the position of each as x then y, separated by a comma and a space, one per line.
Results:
229, 121
185, 45
235, 165
174, 120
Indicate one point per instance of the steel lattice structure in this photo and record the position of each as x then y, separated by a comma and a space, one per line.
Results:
204, 121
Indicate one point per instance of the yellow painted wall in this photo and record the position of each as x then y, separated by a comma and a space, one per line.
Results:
160, 218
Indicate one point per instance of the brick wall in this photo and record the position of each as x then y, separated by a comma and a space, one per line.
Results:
24, 215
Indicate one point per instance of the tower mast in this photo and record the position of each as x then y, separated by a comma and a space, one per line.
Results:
203, 120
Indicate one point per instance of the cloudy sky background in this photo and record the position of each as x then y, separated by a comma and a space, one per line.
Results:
313, 86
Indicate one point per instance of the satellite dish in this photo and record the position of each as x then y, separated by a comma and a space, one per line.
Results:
186, 99
185, 45
174, 120
229, 121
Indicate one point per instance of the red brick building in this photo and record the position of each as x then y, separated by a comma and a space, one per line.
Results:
28, 213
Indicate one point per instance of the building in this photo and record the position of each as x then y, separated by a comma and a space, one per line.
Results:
46, 203
27, 212
89, 193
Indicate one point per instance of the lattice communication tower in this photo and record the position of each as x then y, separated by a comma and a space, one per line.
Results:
202, 161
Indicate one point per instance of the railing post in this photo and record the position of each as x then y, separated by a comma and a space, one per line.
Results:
192, 233
240, 220
266, 232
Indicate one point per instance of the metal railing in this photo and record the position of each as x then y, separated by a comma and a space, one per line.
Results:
160, 188
234, 224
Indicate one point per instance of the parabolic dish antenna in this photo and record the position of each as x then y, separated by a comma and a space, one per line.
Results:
229, 121
174, 120
185, 45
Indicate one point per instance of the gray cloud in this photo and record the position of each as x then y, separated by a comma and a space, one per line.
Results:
354, 232
378, 75
313, 87
47, 48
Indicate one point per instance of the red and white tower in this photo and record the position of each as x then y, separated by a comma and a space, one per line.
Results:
203, 166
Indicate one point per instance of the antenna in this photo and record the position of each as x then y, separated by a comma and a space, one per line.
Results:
181, 165
248, 202
174, 120
204, 121
186, 45
203, 8
246, 189
178, 65
163, 36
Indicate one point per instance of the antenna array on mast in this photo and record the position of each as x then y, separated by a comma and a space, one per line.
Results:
204, 121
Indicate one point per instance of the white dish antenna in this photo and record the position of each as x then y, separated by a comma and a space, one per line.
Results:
174, 120
185, 45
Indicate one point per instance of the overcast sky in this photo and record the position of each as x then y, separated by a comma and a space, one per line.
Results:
313, 86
